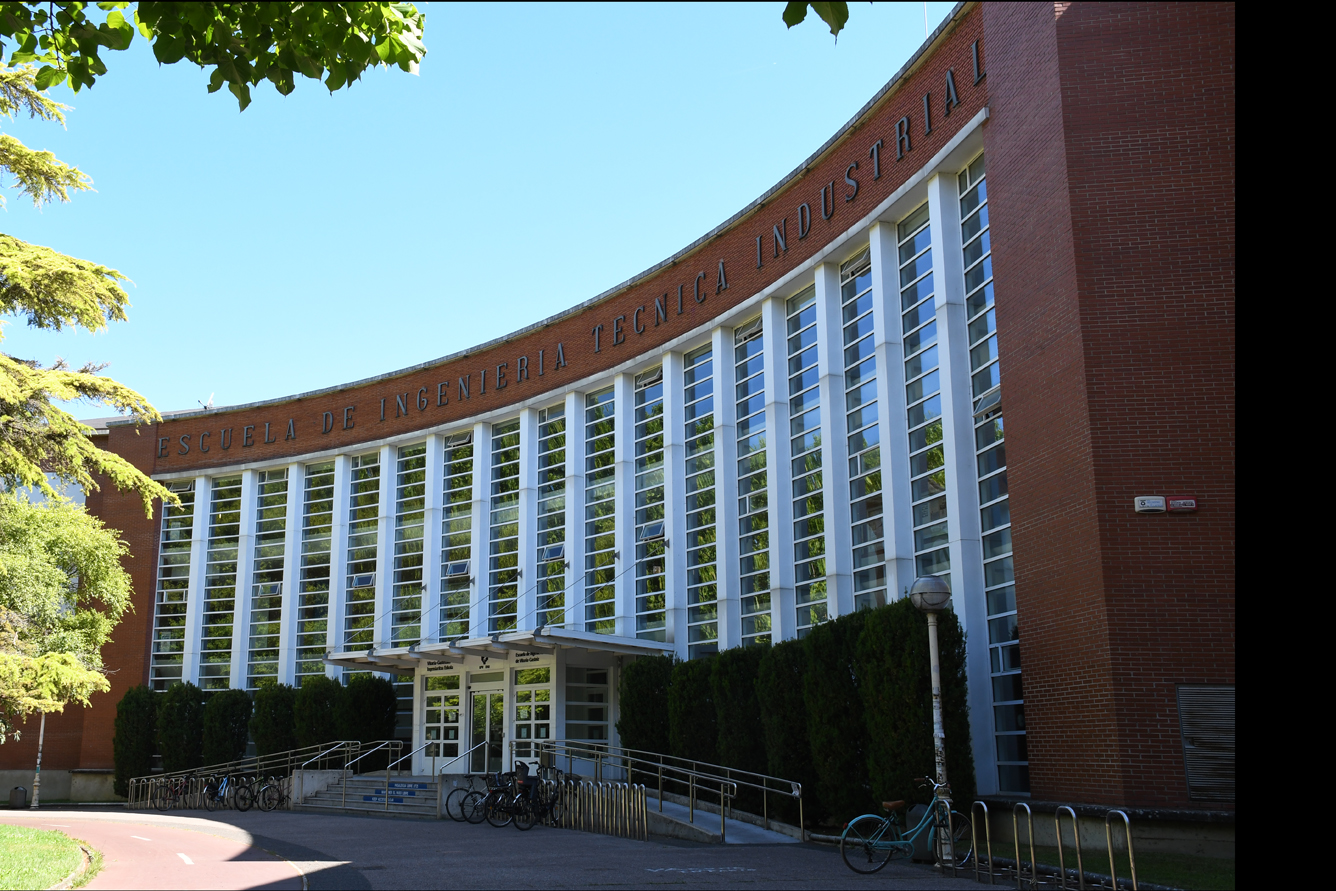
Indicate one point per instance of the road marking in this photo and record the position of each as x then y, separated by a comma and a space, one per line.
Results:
61, 825
141, 838
188, 861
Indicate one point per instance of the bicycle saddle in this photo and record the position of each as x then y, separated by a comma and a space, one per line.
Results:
892, 805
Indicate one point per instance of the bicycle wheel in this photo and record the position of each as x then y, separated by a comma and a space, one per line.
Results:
554, 807
866, 844
269, 797
454, 803
474, 807
159, 797
523, 809
498, 811
245, 797
212, 800
961, 836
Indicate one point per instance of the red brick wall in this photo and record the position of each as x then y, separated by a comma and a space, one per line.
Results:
1111, 162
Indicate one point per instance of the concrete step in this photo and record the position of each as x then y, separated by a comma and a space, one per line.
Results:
371, 810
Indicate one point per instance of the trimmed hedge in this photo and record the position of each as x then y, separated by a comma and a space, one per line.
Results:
181, 727
313, 711
835, 728
693, 731
783, 712
271, 725
741, 737
132, 745
227, 715
642, 693
896, 693
367, 708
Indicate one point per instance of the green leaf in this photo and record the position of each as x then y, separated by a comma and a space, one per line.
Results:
833, 14
48, 77
794, 13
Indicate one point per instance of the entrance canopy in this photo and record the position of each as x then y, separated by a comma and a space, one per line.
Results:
544, 639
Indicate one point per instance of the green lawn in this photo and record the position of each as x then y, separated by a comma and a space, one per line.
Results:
36, 858
1175, 870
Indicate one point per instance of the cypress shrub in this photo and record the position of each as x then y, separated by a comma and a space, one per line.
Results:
783, 711
271, 725
741, 742
643, 699
835, 725
227, 717
366, 710
132, 745
313, 711
181, 727
896, 691
692, 722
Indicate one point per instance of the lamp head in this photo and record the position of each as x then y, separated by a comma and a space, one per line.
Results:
930, 594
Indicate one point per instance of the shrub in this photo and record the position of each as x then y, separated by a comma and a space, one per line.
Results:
367, 709
313, 711
783, 719
180, 725
741, 742
896, 691
643, 703
693, 731
132, 746
271, 725
227, 717
835, 727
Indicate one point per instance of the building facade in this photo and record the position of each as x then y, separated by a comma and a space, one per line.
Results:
961, 339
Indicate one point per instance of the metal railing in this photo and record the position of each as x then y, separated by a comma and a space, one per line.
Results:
672, 775
1031, 869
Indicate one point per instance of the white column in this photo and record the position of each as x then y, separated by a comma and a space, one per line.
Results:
898, 519
241, 603
726, 489
527, 606
338, 558
199, 549
779, 488
381, 634
482, 528
674, 505
624, 445
432, 517
292, 571
834, 442
962, 488
574, 414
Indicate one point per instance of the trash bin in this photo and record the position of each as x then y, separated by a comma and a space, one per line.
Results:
18, 797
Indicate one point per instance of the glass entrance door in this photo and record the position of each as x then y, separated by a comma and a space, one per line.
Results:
489, 726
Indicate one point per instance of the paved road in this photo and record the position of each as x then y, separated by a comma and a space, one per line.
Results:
149, 851
338, 852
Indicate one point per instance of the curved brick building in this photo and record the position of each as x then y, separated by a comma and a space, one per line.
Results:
962, 338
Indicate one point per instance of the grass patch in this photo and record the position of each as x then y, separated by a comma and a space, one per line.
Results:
35, 858
1175, 870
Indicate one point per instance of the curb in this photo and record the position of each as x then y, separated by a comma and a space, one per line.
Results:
86, 859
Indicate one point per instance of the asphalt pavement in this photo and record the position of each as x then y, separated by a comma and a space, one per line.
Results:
349, 852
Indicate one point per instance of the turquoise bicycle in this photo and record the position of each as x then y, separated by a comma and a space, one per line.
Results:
870, 842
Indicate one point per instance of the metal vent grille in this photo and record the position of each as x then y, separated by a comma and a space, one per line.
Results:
1206, 717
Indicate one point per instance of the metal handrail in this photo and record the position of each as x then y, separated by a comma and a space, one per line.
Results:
336, 747
383, 744
463, 755
412, 753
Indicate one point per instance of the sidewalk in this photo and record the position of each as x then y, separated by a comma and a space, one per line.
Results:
148, 851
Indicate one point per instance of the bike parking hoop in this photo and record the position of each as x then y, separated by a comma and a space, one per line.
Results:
1076, 836
1016, 838
1032, 869
1108, 837
974, 839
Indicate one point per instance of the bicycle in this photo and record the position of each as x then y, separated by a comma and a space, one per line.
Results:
274, 794
455, 801
499, 803
228, 793
870, 842
167, 794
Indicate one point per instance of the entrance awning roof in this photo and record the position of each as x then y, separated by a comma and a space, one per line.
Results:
544, 639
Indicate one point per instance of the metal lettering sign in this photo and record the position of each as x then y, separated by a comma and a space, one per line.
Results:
439, 665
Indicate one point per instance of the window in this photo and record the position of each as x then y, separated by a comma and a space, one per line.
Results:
503, 560
220, 585
588, 708
440, 716
552, 516
600, 569
410, 502
359, 618
271, 526
456, 536
533, 709
702, 522
313, 586
753, 507
809, 519
651, 621
169, 607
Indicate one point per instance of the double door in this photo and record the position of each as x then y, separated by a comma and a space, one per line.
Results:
487, 709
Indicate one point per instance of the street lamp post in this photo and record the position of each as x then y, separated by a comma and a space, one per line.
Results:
931, 594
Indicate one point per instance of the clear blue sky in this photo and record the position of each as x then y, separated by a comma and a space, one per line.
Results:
545, 154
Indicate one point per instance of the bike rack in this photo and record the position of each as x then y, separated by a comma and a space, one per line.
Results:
1016, 837
950, 836
1076, 835
1108, 838
974, 839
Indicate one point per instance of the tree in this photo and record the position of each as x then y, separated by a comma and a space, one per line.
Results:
783, 714
313, 711
693, 730
226, 726
366, 710
271, 724
243, 43
835, 725
642, 696
132, 746
181, 727
62, 591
